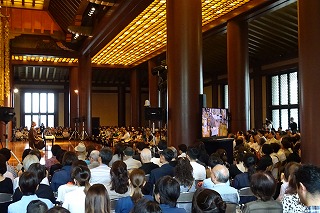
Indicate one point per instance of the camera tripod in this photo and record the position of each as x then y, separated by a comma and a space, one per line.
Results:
75, 134
83, 135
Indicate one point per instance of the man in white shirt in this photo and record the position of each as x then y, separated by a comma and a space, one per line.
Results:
199, 171
101, 174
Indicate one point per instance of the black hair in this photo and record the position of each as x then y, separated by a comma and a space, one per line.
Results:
119, 177
146, 206
193, 152
68, 158
168, 189
58, 209
37, 206
54, 149
28, 183
82, 175
183, 148
249, 162
275, 147
162, 145
106, 155
309, 176
6, 152
207, 201
167, 154
183, 172
3, 165
214, 159
35, 152
267, 149
263, 185
39, 170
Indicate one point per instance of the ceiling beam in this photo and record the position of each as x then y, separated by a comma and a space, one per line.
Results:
111, 25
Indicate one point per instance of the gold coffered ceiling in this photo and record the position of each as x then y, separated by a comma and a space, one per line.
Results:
146, 34
26, 4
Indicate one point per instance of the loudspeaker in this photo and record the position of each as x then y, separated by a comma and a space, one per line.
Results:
95, 125
153, 114
6, 114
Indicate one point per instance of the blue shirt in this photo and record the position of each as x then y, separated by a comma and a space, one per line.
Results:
21, 205
167, 209
60, 177
125, 204
312, 209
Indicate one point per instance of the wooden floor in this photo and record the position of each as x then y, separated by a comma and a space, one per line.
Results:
17, 147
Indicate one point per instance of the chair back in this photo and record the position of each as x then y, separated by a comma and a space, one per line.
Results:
5, 198
244, 192
113, 205
185, 201
231, 208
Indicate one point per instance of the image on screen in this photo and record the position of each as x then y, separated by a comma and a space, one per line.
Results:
214, 122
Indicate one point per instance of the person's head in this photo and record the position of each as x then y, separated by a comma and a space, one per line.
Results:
94, 156
267, 149
162, 145
37, 206
146, 206
55, 148
35, 152
119, 177
183, 172
28, 160
166, 155
214, 159
68, 158
308, 184
140, 147
289, 175
97, 199
275, 147
25, 153
137, 180
33, 124
145, 155
81, 176
286, 143
128, 152
105, 155
219, 174
174, 150
3, 165
263, 185
182, 148
167, 191
6, 152
207, 201
39, 170
58, 209
28, 183
193, 152
222, 154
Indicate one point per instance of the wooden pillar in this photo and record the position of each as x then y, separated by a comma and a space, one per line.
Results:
74, 98
309, 63
135, 98
238, 75
215, 91
184, 60
66, 98
121, 106
85, 87
258, 120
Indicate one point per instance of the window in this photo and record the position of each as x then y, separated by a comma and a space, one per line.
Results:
284, 99
39, 107
226, 96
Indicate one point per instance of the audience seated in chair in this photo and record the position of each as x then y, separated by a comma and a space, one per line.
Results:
97, 199
207, 200
28, 184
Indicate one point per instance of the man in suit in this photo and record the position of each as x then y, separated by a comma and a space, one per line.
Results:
166, 169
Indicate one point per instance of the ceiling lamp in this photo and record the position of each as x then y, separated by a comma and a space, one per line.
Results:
80, 30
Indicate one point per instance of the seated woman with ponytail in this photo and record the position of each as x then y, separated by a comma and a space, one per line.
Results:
208, 201
74, 201
137, 180
119, 185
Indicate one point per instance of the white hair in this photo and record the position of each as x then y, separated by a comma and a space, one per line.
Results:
95, 155
146, 155
28, 160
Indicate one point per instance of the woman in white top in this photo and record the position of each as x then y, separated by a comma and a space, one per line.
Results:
74, 201
119, 186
